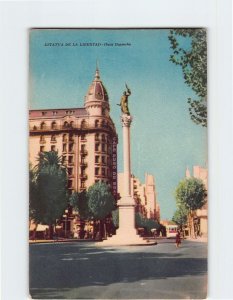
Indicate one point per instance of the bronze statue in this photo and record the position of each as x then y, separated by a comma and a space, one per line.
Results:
124, 101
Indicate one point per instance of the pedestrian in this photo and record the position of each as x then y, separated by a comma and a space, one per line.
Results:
178, 239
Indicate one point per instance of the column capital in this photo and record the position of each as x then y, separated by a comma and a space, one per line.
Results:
126, 120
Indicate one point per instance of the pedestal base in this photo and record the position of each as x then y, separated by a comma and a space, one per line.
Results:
129, 238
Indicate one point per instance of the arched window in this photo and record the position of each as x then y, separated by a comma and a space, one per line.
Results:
42, 125
65, 125
97, 137
103, 123
42, 139
54, 125
53, 138
72, 124
97, 123
83, 124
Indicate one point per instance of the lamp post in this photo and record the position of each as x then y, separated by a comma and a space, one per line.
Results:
66, 217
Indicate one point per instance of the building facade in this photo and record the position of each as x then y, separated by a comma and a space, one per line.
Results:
144, 195
201, 215
85, 137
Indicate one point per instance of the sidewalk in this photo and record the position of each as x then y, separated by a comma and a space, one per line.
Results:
60, 241
198, 239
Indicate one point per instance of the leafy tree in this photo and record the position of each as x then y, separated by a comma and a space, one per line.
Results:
100, 203
191, 194
48, 192
180, 216
79, 202
139, 220
191, 55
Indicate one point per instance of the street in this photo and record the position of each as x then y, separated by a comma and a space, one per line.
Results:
80, 270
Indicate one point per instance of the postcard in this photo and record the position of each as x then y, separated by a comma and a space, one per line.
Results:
118, 166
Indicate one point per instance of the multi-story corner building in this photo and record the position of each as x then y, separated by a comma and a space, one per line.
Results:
144, 195
201, 214
85, 137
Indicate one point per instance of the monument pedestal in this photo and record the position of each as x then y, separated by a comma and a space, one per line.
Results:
127, 233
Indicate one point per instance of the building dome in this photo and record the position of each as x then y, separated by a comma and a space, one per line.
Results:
96, 91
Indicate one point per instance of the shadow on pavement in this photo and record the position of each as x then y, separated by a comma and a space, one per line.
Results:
63, 267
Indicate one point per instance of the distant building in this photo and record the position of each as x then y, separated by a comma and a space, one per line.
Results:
144, 195
201, 218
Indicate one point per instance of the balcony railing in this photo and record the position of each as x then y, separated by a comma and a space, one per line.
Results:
83, 176
83, 164
83, 152
68, 127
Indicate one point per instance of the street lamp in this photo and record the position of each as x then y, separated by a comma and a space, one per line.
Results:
66, 217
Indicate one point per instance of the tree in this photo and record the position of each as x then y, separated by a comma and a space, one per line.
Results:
180, 216
100, 203
79, 202
190, 194
48, 195
190, 52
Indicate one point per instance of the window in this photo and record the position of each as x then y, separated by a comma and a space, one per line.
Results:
63, 159
42, 125
70, 159
103, 138
103, 171
64, 137
54, 113
83, 137
97, 159
70, 171
103, 147
54, 125
44, 113
42, 138
53, 138
64, 148
41, 148
103, 159
72, 124
97, 123
82, 184
97, 137
53, 148
97, 147
97, 171
71, 147
65, 125
83, 124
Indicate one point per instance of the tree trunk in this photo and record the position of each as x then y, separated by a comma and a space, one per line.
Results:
50, 231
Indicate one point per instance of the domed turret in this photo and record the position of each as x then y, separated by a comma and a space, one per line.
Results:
96, 99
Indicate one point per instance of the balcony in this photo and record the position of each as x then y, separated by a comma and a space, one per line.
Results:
83, 152
83, 164
83, 176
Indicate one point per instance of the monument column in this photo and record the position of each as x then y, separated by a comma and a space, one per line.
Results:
126, 234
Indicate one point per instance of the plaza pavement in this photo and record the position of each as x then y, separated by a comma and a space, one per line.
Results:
84, 271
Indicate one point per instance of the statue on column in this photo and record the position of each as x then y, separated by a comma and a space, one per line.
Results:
124, 101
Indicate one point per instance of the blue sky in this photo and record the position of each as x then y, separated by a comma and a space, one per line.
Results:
163, 138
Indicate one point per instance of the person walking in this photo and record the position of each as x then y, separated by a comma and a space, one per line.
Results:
178, 239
